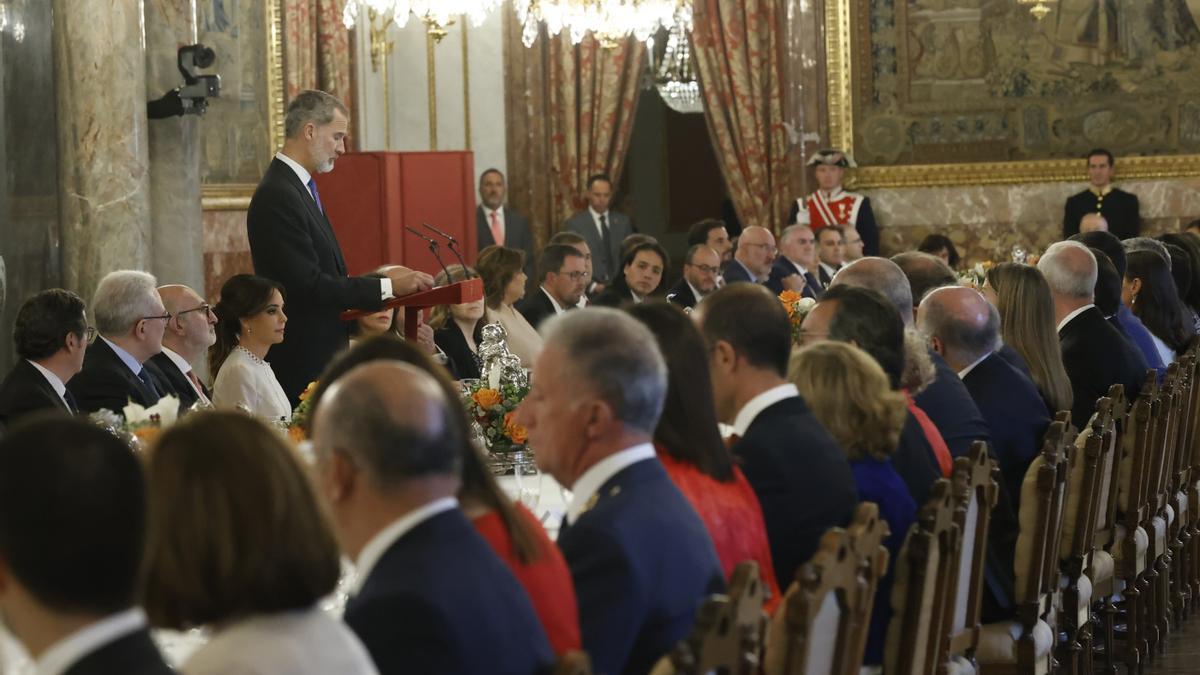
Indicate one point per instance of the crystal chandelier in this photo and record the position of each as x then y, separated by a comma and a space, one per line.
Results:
673, 77
437, 15
1038, 8
609, 21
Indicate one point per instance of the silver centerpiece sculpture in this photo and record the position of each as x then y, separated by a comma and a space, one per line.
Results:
498, 366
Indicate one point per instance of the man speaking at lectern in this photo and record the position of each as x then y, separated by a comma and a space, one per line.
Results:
292, 242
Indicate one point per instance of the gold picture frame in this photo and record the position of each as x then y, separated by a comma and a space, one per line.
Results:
842, 53
228, 183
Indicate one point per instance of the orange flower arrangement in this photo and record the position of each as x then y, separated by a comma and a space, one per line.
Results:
797, 307
494, 409
486, 398
298, 425
516, 432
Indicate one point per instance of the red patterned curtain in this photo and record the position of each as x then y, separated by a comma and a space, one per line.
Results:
591, 104
316, 49
737, 45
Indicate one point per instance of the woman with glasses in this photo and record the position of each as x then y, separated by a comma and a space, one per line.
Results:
250, 321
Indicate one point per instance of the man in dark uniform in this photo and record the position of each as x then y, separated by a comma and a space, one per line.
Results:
1119, 208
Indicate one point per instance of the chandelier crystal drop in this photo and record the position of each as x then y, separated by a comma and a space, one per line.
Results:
1038, 8
609, 21
437, 15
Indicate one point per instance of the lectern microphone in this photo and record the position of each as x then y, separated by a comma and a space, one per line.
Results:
433, 248
452, 244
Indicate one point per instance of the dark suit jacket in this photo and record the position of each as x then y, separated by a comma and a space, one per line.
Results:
536, 307
1118, 207
782, 269
914, 461
802, 479
292, 242
949, 405
177, 381
642, 562
26, 390
735, 272
106, 382
681, 294
516, 234
131, 654
825, 277
1096, 357
606, 260
440, 601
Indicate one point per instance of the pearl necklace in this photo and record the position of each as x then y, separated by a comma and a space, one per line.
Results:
252, 355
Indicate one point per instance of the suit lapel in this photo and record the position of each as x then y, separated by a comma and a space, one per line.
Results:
322, 222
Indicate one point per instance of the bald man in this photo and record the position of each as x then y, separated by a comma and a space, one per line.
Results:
964, 328
925, 272
191, 330
431, 596
754, 257
1095, 354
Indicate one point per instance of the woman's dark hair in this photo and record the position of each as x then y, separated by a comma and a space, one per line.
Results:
397, 323
498, 265
1157, 303
1107, 295
687, 429
939, 242
477, 480
242, 296
1190, 244
235, 528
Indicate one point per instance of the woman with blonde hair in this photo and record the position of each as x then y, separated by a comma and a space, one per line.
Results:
1022, 296
236, 540
457, 329
851, 397
503, 273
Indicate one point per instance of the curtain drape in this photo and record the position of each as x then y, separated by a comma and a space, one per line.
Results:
316, 49
737, 46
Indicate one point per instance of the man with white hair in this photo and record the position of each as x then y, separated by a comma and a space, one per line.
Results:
1095, 353
640, 557
130, 320
797, 258
190, 332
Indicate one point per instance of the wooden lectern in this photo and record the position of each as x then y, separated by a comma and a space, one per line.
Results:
450, 294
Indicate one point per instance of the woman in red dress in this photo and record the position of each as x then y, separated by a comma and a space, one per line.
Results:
690, 447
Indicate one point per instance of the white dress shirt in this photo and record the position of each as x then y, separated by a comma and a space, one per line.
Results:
383, 540
130, 362
1067, 319
247, 383
596, 220
185, 368
695, 291
69, 650
756, 405
57, 384
304, 642
558, 309
586, 485
385, 285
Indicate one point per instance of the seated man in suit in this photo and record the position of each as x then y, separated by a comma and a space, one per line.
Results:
1131, 326
130, 319
497, 224
925, 272
801, 476
713, 234
430, 596
603, 229
754, 256
190, 332
831, 254
945, 400
643, 261
51, 336
1095, 354
576, 241
563, 272
797, 256
640, 557
701, 266
965, 329
68, 577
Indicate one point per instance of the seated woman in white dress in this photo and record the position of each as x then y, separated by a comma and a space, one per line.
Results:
504, 278
250, 319
236, 541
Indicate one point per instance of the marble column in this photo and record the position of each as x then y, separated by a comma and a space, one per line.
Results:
100, 88
176, 231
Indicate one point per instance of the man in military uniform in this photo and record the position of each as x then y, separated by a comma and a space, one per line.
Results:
1119, 208
831, 205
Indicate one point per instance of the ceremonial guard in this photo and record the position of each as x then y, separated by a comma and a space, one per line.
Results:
1119, 208
831, 205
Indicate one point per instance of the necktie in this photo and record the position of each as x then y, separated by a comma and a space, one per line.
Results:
312, 189
497, 233
607, 237
191, 375
70, 401
144, 376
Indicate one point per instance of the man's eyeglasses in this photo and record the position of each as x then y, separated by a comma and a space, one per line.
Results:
206, 308
165, 318
767, 247
575, 276
708, 269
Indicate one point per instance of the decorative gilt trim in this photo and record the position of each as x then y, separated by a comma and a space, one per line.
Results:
236, 196
431, 76
840, 77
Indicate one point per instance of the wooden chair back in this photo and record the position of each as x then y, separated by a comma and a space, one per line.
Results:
1110, 458
924, 587
821, 626
975, 483
1086, 489
729, 632
1042, 504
